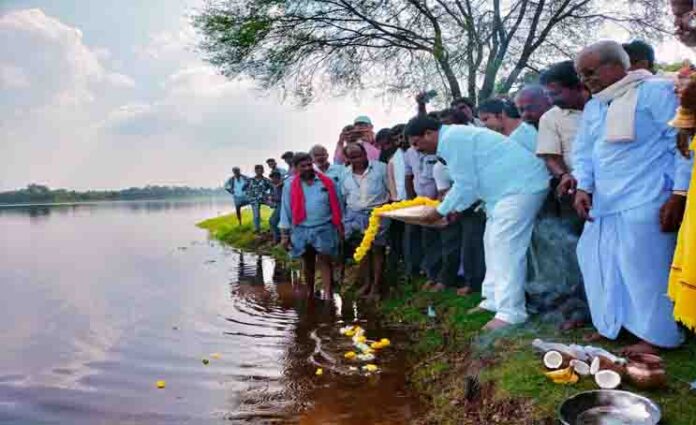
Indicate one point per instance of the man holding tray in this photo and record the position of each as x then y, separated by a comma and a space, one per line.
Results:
511, 182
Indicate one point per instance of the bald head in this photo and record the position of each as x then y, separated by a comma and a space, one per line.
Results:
602, 64
532, 102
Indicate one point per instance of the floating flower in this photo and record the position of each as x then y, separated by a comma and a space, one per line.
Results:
385, 342
319, 372
215, 355
160, 384
350, 355
370, 368
365, 357
373, 222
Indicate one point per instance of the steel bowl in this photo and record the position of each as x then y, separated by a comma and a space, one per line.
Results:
609, 407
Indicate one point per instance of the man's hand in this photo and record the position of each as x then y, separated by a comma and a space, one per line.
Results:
583, 204
567, 186
454, 216
672, 213
684, 138
432, 216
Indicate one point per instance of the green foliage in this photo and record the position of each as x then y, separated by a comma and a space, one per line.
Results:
317, 46
35, 193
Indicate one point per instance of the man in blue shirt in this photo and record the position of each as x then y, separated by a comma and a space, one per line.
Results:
512, 183
336, 172
273, 166
236, 186
532, 102
630, 180
314, 236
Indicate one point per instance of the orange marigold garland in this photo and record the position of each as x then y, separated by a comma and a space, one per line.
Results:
375, 217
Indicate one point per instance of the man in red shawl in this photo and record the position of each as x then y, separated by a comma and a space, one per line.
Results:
311, 221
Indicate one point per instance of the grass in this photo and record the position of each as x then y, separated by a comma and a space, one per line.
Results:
226, 229
471, 378
504, 362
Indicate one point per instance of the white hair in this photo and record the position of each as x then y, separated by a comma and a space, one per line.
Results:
534, 90
609, 51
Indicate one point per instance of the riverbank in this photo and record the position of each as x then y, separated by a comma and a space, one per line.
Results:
466, 377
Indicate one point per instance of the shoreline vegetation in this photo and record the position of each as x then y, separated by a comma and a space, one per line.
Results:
468, 377
35, 194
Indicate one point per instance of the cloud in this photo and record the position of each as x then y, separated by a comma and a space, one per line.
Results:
171, 47
53, 60
71, 121
12, 77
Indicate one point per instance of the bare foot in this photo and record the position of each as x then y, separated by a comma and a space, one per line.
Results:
438, 287
363, 291
642, 347
571, 324
476, 310
373, 296
464, 291
427, 285
594, 337
495, 324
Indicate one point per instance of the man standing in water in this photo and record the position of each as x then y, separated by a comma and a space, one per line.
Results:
365, 188
236, 186
311, 221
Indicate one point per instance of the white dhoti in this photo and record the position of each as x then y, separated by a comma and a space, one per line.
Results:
507, 237
625, 261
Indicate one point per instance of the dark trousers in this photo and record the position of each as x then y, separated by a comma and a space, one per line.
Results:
473, 224
422, 250
451, 243
273, 222
396, 244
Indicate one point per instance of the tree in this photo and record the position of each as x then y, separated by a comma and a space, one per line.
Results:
463, 46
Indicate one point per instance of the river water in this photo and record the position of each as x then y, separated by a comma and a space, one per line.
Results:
100, 301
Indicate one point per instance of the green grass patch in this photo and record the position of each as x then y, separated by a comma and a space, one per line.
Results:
226, 229
513, 369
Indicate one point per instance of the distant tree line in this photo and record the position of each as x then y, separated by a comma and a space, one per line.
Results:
36, 193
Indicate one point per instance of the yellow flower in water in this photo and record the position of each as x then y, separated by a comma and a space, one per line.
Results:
215, 355
376, 345
370, 367
319, 372
360, 339
350, 355
350, 332
160, 384
385, 342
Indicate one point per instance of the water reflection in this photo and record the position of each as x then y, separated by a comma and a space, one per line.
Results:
105, 300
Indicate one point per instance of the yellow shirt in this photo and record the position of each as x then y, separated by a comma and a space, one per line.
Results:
557, 130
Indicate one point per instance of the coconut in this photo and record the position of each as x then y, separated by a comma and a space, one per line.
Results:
602, 363
580, 367
607, 379
553, 360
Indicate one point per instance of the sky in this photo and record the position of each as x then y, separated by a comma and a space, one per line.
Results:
108, 94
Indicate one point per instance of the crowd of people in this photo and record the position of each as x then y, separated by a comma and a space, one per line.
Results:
592, 142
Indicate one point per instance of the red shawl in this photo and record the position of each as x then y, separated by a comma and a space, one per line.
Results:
297, 201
